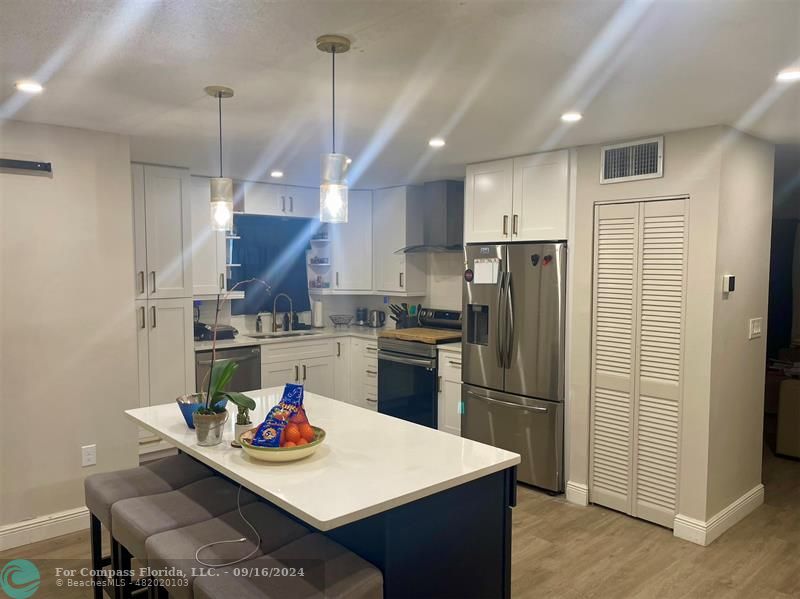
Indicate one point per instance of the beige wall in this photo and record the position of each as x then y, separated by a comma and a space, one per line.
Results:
67, 330
737, 377
691, 169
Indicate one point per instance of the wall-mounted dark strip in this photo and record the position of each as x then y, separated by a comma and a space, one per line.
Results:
26, 165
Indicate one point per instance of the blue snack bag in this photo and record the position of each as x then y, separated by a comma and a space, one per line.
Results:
270, 432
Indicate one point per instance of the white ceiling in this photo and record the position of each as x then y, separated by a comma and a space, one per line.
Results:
492, 77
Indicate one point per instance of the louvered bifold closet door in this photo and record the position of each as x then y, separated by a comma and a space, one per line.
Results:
659, 360
616, 247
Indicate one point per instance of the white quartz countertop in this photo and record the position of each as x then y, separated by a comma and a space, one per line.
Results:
368, 463
242, 340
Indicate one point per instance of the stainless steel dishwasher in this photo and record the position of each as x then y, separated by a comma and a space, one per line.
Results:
246, 378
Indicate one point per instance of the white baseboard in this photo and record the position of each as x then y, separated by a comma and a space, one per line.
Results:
577, 493
43, 527
704, 533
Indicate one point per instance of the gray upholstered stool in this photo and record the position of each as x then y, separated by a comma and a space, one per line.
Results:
134, 520
329, 570
104, 489
174, 551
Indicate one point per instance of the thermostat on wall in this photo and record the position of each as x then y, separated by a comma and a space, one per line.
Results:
728, 283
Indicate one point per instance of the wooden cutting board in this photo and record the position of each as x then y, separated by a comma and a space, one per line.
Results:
424, 335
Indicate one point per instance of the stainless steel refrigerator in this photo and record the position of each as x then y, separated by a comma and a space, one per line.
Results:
513, 354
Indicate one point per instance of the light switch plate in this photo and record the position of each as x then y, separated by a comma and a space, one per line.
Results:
88, 455
756, 325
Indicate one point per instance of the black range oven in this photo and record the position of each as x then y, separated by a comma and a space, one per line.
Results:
407, 381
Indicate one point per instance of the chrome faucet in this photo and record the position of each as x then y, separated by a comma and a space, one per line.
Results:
274, 317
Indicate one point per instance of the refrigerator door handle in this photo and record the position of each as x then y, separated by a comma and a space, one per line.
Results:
509, 404
509, 321
500, 323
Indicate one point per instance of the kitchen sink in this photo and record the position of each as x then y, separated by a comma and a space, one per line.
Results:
282, 334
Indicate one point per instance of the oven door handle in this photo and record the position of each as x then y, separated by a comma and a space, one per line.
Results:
389, 357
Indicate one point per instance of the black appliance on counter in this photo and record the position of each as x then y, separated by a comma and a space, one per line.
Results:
408, 379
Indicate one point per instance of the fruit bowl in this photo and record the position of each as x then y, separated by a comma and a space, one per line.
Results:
280, 454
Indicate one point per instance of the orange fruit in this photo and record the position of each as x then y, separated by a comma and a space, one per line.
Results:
291, 433
289, 444
302, 441
306, 432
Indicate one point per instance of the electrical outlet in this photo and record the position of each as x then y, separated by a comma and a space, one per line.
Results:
88, 455
755, 327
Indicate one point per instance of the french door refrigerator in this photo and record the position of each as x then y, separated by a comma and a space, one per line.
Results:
513, 354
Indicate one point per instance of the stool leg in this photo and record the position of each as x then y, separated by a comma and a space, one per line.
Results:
96, 543
123, 580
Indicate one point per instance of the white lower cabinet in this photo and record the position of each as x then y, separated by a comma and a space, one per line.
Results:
342, 370
309, 363
165, 351
364, 373
449, 415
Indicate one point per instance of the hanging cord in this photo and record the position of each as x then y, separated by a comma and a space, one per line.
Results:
219, 99
242, 540
333, 100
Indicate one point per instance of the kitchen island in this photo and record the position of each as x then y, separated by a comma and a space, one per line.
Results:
431, 510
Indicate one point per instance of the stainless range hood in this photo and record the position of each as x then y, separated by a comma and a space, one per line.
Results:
443, 219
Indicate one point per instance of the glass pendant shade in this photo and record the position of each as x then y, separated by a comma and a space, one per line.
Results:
333, 190
221, 204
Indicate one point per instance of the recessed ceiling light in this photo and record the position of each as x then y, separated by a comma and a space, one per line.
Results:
29, 87
276, 174
436, 142
571, 117
791, 74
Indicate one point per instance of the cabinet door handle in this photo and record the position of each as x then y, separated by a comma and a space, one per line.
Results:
283, 203
505, 225
296, 373
153, 274
337, 278
372, 348
369, 399
372, 373
222, 281
454, 363
144, 316
153, 316
401, 280
338, 349
438, 384
141, 282
304, 372
291, 203
514, 226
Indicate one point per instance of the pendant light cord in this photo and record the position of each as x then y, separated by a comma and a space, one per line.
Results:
219, 100
333, 101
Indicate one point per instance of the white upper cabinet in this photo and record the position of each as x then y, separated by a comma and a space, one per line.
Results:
520, 199
488, 197
162, 232
351, 246
263, 198
397, 223
208, 246
541, 196
280, 200
300, 201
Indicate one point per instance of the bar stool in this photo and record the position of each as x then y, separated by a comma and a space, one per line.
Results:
173, 552
104, 489
329, 570
136, 519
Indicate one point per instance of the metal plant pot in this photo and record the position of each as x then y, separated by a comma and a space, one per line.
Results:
209, 427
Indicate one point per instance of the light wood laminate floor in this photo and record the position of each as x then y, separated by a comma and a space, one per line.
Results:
562, 550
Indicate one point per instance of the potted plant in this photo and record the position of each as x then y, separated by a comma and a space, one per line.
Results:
243, 422
209, 420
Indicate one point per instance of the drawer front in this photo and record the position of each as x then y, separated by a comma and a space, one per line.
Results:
297, 350
370, 399
450, 367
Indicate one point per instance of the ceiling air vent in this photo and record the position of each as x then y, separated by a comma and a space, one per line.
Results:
633, 160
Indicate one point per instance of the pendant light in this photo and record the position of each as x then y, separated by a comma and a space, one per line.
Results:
221, 187
333, 188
